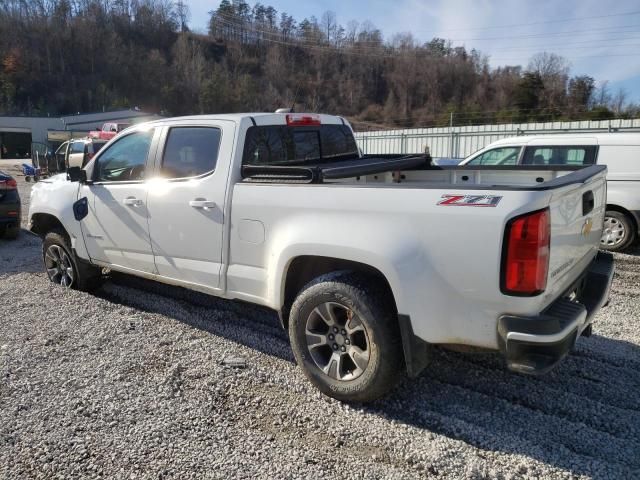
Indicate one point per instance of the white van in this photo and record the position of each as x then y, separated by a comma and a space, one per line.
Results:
619, 151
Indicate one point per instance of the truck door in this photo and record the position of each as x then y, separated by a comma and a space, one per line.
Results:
75, 154
186, 203
116, 230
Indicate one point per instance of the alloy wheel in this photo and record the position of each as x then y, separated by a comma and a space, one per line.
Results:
59, 266
338, 341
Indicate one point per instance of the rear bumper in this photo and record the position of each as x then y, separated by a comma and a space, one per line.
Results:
536, 344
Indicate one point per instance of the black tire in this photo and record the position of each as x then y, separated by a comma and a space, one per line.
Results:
365, 304
619, 231
11, 233
84, 277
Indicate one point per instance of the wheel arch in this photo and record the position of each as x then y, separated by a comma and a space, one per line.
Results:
43, 223
304, 268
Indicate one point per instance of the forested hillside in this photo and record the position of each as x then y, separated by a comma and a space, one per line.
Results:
67, 56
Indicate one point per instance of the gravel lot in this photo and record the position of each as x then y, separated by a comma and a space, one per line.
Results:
128, 383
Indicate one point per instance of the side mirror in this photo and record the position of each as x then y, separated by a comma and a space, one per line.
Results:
76, 174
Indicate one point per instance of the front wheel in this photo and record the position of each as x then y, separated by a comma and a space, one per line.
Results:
64, 268
618, 231
345, 336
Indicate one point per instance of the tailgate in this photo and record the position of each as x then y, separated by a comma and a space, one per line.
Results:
577, 214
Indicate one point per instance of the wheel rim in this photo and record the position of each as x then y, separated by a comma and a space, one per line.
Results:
338, 341
613, 232
59, 266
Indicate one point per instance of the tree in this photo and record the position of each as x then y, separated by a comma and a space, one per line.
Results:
329, 25
580, 92
527, 95
183, 14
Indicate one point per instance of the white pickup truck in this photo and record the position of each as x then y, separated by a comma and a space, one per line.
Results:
369, 261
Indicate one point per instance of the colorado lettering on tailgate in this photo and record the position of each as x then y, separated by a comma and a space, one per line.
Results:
451, 200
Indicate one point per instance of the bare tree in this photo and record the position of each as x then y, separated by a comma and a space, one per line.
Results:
329, 24
183, 14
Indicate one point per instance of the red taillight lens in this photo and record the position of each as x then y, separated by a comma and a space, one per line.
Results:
303, 119
526, 260
10, 184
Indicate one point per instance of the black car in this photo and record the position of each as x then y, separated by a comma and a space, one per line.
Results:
9, 207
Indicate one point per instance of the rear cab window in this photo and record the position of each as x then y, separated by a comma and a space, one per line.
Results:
294, 145
560, 155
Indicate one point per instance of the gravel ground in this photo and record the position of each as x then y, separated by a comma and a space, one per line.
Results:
129, 383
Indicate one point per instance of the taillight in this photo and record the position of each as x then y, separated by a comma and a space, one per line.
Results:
303, 119
10, 184
526, 256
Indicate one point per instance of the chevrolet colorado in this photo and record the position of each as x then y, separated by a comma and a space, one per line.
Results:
369, 261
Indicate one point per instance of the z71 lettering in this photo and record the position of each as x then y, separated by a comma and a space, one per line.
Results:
469, 200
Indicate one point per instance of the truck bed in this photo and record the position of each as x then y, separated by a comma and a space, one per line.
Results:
417, 171
321, 172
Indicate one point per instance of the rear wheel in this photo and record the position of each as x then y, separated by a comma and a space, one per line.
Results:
344, 334
64, 268
618, 231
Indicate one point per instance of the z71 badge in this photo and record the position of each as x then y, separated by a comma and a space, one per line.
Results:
450, 200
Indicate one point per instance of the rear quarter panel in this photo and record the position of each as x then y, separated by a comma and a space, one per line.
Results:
442, 262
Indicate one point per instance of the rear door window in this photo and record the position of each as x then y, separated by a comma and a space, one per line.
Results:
190, 151
283, 145
559, 155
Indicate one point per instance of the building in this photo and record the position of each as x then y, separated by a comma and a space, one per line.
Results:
20, 135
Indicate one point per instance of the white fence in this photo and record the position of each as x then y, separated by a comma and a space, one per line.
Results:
458, 142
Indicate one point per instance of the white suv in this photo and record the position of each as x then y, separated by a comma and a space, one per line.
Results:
620, 152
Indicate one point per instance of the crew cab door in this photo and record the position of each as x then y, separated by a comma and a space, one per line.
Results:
186, 203
75, 154
116, 230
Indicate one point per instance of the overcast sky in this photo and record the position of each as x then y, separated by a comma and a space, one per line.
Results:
599, 38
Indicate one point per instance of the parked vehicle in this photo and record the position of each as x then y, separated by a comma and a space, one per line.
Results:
82, 150
368, 260
60, 156
9, 207
620, 152
77, 152
108, 130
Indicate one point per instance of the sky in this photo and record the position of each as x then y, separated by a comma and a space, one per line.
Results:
598, 38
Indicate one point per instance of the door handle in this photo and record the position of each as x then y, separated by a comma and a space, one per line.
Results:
588, 202
200, 203
132, 201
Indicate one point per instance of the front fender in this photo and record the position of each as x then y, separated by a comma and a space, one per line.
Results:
56, 198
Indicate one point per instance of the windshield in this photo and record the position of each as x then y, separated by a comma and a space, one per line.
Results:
497, 156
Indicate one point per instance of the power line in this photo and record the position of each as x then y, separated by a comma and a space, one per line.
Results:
554, 34
365, 51
622, 29
545, 22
